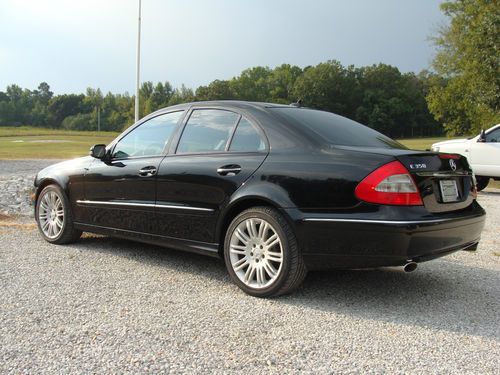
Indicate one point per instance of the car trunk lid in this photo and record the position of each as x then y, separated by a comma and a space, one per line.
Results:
445, 181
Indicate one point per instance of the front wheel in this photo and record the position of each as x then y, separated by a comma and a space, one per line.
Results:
482, 182
262, 254
54, 217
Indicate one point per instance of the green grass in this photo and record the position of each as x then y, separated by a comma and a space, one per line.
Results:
421, 143
36, 143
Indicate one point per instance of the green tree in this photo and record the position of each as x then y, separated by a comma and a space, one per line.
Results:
181, 95
281, 83
16, 109
468, 97
145, 92
216, 90
80, 121
160, 96
252, 84
41, 98
62, 106
94, 99
329, 86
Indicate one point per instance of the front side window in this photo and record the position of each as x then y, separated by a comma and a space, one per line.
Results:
149, 138
246, 138
208, 130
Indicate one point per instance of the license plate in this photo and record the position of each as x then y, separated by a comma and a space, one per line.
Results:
449, 191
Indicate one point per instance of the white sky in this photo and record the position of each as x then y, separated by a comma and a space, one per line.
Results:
74, 44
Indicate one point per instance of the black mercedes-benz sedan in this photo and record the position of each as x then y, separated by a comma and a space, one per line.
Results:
274, 190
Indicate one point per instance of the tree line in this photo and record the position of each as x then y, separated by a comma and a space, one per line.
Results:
459, 96
379, 96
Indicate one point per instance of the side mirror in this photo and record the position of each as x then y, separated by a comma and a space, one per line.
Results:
98, 151
482, 136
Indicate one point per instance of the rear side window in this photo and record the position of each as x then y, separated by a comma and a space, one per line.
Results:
246, 138
207, 130
335, 129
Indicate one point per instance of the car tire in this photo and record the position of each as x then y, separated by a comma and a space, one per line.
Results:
54, 216
261, 253
482, 182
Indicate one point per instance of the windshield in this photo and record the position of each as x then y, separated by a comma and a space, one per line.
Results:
335, 129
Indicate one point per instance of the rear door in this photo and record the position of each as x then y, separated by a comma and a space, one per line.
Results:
217, 152
120, 192
444, 180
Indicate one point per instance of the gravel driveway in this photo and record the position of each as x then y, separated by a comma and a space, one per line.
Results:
106, 305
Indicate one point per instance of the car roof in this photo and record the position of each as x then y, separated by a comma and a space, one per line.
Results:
230, 103
493, 128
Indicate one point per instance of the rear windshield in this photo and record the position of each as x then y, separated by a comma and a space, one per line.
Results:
335, 129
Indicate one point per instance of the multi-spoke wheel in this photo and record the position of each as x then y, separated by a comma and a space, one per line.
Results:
54, 216
51, 215
261, 253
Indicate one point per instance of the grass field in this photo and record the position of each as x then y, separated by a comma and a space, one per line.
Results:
421, 143
35, 143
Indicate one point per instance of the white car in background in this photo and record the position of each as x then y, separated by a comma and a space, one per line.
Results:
482, 152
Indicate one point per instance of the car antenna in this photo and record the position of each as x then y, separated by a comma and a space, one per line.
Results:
297, 104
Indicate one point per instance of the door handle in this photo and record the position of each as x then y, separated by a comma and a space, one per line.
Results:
147, 171
230, 170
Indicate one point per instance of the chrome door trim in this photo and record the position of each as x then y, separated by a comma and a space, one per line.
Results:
151, 205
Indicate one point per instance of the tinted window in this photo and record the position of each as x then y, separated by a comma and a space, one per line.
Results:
335, 129
493, 136
208, 130
246, 138
149, 138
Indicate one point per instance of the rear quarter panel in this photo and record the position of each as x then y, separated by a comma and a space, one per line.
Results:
320, 180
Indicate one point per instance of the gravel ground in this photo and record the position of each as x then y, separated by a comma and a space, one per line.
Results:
105, 305
16, 181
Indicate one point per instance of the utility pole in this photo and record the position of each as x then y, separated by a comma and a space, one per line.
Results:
137, 83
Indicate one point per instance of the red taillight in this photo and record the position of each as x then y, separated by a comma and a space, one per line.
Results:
389, 184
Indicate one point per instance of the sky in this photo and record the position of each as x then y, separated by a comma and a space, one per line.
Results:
75, 44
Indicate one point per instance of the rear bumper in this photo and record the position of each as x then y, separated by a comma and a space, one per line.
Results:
333, 241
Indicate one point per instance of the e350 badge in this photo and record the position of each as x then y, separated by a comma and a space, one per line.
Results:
418, 166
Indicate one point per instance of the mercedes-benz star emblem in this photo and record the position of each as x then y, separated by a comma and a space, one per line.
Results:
453, 165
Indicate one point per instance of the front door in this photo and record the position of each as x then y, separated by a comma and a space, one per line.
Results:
217, 152
120, 191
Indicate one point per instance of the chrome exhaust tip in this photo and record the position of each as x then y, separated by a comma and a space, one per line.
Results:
410, 267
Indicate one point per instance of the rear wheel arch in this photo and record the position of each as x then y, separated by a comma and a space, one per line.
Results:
235, 208
263, 263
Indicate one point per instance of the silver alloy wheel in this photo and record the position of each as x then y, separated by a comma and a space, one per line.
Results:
51, 214
256, 253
